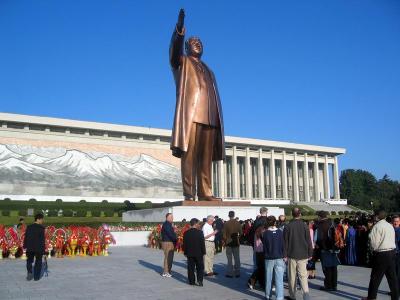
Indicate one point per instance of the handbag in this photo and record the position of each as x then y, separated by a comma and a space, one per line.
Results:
45, 268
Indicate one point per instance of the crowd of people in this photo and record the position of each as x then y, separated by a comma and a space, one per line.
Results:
288, 251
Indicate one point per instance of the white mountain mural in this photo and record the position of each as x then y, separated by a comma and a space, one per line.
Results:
55, 171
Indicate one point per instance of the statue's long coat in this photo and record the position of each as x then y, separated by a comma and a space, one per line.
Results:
187, 94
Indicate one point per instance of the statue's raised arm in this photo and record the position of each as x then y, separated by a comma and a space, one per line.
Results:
177, 40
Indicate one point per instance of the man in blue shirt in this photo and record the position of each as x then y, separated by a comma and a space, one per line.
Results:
168, 238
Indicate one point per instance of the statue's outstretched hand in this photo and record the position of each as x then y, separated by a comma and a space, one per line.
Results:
181, 19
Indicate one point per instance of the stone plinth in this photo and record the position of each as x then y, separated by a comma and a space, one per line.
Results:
216, 203
199, 212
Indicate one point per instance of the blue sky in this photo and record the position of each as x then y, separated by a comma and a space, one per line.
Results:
317, 72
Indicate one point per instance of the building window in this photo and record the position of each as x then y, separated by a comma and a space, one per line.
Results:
165, 139
96, 133
77, 131
289, 171
254, 178
58, 129
132, 136
37, 127
114, 134
215, 176
15, 125
267, 179
242, 177
300, 170
149, 138
229, 186
278, 176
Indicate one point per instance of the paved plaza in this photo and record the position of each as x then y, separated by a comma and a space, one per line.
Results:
134, 273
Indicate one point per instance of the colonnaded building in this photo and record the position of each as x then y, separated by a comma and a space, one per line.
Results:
50, 158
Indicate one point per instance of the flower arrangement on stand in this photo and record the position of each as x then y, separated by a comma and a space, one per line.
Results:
154, 239
67, 241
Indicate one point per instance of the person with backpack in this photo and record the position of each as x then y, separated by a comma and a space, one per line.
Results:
261, 221
259, 272
327, 242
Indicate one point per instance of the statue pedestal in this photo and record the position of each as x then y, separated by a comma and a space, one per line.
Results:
216, 203
199, 209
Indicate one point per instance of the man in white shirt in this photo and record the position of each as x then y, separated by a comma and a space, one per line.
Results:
209, 236
382, 238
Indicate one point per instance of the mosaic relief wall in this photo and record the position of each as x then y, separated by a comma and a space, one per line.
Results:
35, 167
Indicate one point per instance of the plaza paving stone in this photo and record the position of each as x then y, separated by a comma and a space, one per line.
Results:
134, 273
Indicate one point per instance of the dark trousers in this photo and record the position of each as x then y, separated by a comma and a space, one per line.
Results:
198, 264
383, 263
398, 270
330, 281
218, 243
38, 264
259, 272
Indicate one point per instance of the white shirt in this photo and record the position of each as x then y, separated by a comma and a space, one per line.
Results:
207, 230
382, 237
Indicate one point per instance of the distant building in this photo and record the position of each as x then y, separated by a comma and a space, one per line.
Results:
50, 158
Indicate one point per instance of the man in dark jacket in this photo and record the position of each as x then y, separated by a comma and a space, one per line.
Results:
326, 243
34, 245
298, 249
168, 238
194, 249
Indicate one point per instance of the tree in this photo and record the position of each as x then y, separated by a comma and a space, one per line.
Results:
386, 196
129, 205
361, 188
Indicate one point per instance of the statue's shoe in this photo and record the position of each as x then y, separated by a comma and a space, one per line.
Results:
209, 198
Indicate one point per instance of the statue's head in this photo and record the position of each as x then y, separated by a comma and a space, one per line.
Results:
194, 47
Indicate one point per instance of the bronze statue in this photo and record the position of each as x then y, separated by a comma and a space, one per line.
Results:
198, 131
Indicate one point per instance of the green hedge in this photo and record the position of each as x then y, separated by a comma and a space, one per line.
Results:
68, 213
96, 213
5, 212
109, 213
52, 213
81, 213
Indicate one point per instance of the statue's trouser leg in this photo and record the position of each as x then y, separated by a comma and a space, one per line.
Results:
204, 160
188, 166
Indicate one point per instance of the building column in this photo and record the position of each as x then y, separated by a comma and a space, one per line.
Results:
247, 170
221, 169
260, 174
235, 181
336, 178
284, 176
306, 179
326, 179
296, 178
316, 178
272, 174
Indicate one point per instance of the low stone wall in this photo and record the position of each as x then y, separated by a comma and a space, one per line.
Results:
130, 238
188, 212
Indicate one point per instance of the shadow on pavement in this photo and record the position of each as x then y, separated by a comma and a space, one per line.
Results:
353, 286
158, 269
